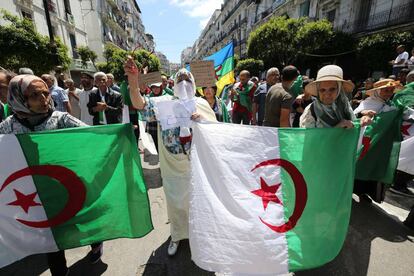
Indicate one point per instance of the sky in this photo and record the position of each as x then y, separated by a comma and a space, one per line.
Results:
176, 24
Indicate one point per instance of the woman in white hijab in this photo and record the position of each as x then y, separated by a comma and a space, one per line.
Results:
174, 145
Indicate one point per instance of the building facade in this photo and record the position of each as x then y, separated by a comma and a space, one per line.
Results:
66, 20
238, 18
114, 21
186, 55
165, 64
89, 23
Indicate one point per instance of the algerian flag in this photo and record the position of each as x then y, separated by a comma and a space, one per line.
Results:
381, 146
267, 200
68, 188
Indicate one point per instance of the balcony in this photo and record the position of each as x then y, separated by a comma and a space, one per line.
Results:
113, 25
76, 65
234, 27
267, 12
115, 8
25, 3
230, 13
397, 15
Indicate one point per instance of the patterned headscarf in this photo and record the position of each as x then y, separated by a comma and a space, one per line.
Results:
17, 99
331, 115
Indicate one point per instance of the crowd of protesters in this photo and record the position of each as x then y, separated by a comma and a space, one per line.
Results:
285, 98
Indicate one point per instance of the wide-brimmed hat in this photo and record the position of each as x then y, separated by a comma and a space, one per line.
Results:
385, 83
156, 84
329, 73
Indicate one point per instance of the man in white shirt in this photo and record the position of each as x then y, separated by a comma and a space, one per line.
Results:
86, 80
401, 60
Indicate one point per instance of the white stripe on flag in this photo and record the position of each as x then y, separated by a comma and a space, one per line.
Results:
226, 233
17, 240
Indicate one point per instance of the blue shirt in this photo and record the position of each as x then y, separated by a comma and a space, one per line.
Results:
59, 97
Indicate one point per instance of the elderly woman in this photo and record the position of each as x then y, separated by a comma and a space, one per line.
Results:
174, 145
216, 104
30, 100
331, 107
379, 102
378, 98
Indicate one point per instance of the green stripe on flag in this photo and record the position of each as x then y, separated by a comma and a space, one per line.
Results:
105, 158
379, 157
326, 158
226, 66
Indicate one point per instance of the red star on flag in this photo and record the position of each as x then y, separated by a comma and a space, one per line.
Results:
404, 129
24, 201
267, 193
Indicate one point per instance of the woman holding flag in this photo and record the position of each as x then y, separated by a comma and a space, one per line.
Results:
174, 145
30, 100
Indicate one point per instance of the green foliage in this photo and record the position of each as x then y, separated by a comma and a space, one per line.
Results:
115, 58
282, 41
86, 54
377, 50
236, 59
254, 66
22, 46
102, 66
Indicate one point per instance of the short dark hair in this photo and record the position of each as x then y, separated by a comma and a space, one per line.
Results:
290, 73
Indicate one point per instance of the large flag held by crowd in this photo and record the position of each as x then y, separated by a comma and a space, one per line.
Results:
264, 202
224, 66
69, 188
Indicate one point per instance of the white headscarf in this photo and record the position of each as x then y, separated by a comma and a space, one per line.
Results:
184, 88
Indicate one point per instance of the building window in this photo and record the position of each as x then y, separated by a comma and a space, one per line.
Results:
304, 8
72, 39
27, 15
331, 16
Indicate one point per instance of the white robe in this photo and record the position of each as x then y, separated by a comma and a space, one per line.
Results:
374, 104
176, 179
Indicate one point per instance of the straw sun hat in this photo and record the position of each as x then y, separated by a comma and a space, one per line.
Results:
385, 83
329, 73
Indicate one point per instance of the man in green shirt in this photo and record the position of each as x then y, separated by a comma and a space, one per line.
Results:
165, 88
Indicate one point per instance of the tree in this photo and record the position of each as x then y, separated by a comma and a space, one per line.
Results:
115, 58
22, 46
86, 54
376, 50
282, 41
254, 66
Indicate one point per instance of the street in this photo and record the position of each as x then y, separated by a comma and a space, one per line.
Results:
377, 244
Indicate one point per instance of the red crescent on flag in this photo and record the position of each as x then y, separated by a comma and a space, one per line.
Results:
72, 183
301, 193
366, 142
